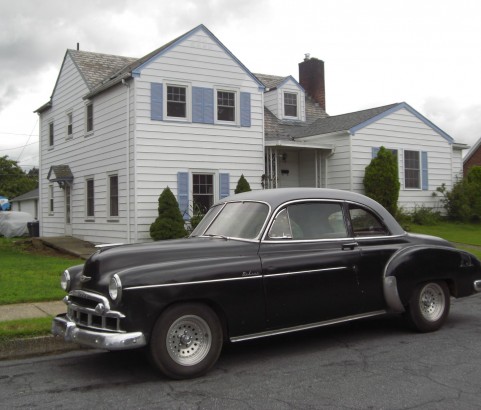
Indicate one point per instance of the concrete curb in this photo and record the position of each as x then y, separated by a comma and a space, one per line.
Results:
35, 346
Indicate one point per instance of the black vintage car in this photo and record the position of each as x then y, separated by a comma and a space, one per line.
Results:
261, 264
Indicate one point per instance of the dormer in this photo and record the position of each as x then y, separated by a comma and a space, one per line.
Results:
286, 98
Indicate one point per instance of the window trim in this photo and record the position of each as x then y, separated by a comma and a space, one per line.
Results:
297, 94
236, 93
89, 217
89, 105
419, 169
109, 197
188, 101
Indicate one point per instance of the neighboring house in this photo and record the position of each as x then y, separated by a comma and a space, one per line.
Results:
191, 116
27, 202
473, 157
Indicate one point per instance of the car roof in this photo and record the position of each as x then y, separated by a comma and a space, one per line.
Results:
279, 196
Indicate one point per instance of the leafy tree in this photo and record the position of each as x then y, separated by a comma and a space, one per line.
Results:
169, 224
381, 180
242, 185
13, 180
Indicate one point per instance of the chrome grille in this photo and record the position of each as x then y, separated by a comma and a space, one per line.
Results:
92, 311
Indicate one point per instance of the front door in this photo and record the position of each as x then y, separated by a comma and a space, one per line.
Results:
68, 216
309, 265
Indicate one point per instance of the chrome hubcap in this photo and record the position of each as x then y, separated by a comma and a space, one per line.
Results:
432, 302
189, 340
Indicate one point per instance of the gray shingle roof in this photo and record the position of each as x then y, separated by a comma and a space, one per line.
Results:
343, 122
96, 67
270, 81
29, 195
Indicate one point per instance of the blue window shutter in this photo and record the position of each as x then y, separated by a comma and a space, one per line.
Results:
424, 170
224, 185
203, 105
183, 193
156, 96
375, 150
208, 105
245, 109
197, 104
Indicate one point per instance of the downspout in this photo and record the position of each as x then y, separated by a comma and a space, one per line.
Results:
350, 161
127, 156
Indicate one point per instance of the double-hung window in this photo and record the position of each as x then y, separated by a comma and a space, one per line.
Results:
90, 198
114, 195
89, 117
50, 200
50, 134
290, 105
69, 124
176, 101
203, 191
226, 106
412, 169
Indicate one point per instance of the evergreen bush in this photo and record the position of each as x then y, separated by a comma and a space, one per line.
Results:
169, 224
242, 185
381, 180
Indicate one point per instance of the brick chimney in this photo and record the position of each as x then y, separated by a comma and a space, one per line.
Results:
311, 77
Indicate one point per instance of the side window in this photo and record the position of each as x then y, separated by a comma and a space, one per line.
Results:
365, 223
307, 221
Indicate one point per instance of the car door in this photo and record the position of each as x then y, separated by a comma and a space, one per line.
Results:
309, 265
376, 246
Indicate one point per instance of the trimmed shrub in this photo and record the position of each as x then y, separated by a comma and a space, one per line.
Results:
242, 185
169, 224
381, 180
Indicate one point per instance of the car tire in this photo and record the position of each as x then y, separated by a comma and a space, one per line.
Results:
429, 306
186, 341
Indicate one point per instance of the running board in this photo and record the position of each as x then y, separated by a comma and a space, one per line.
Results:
306, 327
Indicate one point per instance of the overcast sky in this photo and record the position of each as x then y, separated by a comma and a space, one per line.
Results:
376, 52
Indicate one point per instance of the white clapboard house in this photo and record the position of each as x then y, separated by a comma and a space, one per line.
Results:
189, 115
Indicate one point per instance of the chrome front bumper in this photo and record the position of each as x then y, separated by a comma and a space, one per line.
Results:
477, 285
62, 326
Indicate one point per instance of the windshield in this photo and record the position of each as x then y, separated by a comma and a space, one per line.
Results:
242, 220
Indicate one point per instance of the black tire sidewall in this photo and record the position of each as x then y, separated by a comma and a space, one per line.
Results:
416, 318
158, 345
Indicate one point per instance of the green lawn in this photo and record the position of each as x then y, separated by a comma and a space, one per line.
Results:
30, 277
14, 329
466, 236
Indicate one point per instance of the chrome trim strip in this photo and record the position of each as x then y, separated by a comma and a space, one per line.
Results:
193, 283
67, 329
306, 327
306, 271
108, 313
477, 285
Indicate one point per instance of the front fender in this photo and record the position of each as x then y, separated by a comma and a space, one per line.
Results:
422, 263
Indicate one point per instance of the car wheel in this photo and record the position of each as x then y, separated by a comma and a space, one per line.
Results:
186, 341
429, 306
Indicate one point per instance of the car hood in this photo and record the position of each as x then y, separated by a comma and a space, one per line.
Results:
135, 263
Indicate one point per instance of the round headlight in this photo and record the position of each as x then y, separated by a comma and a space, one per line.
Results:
115, 287
65, 281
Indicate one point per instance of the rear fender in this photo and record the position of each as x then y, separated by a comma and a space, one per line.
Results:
420, 263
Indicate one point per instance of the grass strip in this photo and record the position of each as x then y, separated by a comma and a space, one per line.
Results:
23, 328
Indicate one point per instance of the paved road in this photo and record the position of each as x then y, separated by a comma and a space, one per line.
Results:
373, 364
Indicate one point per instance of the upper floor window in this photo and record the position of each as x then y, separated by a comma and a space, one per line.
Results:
69, 124
114, 195
89, 117
90, 198
290, 105
226, 106
50, 134
176, 101
412, 169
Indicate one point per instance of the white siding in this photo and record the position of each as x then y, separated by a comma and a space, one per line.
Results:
271, 101
163, 148
291, 87
402, 130
88, 155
